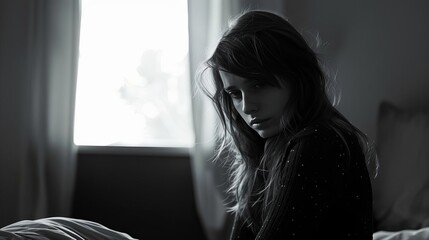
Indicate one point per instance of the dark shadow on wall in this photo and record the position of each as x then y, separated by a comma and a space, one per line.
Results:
148, 197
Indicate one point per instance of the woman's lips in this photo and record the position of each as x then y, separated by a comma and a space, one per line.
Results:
258, 122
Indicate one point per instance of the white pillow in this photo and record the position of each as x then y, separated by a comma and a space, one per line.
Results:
401, 190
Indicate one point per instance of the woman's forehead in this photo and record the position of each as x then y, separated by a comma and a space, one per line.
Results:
230, 80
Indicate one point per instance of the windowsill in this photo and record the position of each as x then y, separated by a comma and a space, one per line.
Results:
130, 150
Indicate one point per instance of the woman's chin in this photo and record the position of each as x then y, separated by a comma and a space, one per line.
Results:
267, 133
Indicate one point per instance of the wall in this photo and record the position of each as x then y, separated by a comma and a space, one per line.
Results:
148, 197
378, 48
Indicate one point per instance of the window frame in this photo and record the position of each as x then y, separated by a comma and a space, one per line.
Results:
136, 150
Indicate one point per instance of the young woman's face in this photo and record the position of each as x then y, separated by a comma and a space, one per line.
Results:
260, 105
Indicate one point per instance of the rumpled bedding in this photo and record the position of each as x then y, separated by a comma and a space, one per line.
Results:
418, 234
60, 228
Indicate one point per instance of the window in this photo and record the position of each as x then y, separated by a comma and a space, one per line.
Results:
133, 86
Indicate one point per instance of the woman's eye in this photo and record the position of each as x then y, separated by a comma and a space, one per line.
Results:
235, 94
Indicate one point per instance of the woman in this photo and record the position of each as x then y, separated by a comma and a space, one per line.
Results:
298, 167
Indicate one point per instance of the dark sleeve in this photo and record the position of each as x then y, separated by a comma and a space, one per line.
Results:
319, 197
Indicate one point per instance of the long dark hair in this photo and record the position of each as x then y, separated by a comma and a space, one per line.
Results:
265, 46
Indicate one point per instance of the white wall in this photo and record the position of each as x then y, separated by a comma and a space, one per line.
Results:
380, 49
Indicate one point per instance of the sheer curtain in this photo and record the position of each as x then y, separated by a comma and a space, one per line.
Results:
207, 20
38, 59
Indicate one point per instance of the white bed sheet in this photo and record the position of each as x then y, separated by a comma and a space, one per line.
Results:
60, 228
418, 234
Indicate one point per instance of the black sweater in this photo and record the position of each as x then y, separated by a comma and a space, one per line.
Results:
325, 195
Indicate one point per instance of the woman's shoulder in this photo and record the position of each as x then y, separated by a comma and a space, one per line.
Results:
327, 140
325, 134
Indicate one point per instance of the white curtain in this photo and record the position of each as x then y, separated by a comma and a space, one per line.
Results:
207, 21
38, 61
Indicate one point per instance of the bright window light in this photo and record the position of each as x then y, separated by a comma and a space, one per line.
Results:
133, 86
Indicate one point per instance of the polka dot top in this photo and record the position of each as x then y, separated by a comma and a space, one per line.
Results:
325, 195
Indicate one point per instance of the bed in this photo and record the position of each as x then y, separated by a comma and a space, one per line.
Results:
59, 228
401, 190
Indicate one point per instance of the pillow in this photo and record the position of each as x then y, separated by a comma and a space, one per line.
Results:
401, 189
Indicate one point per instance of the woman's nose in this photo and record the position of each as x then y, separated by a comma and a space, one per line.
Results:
249, 105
